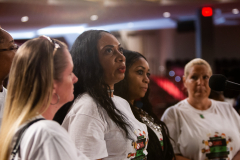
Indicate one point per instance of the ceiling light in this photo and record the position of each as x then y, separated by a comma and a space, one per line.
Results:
61, 29
94, 17
166, 14
130, 24
171, 73
177, 79
235, 11
24, 19
22, 35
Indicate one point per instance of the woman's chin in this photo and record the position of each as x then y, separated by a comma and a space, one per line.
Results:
70, 99
201, 95
120, 77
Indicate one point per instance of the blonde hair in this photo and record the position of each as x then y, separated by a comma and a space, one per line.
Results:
30, 86
196, 61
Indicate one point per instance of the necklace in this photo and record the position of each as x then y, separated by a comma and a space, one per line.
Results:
148, 120
201, 116
110, 90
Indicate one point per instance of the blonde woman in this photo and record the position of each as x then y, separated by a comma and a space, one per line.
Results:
202, 128
40, 82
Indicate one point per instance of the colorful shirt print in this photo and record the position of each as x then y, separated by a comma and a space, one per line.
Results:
216, 148
139, 146
161, 139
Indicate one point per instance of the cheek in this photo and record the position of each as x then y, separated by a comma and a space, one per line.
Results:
190, 87
109, 69
134, 86
67, 86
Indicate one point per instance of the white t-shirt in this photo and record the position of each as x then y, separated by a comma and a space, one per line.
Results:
98, 137
3, 95
203, 135
47, 140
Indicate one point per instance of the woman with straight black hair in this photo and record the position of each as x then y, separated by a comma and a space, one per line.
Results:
101, 124
135, 86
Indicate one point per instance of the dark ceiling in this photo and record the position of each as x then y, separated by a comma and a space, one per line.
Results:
43, 13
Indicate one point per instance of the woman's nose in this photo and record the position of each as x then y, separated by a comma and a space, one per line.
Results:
120, 57
75, 79
200, 81
146, 79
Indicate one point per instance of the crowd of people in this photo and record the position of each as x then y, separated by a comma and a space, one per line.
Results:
82, 105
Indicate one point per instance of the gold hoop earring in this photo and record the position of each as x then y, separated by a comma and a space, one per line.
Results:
57, 99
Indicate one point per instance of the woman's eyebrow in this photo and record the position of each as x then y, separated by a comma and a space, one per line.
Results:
143, 67
11, 41
108, 46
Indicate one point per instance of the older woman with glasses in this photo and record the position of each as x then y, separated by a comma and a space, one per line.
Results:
7, 52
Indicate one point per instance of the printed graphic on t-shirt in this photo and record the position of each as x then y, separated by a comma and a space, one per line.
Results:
161, 140
217, 147
139, 146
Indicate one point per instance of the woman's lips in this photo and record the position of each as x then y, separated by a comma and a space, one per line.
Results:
122, 69
144, 89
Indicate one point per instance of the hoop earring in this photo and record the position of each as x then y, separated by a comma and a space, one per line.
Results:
57, 100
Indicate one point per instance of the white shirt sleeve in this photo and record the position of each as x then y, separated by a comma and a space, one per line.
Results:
59, 150
47, 140
235, 116
170, 119
88, 134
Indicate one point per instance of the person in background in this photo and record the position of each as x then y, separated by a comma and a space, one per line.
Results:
135, 86
202, 128
101, 124
216, 95
40, 82
7, 52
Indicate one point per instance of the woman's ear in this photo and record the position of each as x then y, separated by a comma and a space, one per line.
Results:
54, 86
184, 80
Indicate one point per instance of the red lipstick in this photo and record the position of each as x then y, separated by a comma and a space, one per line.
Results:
122, 69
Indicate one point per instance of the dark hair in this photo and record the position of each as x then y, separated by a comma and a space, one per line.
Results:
90, 73
121, 89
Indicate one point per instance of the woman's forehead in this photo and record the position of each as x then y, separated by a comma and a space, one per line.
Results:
5, 38
197, 68
107, 39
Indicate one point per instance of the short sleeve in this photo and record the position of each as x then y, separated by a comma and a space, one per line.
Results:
47, 140
235, 116
170, 119
60, 149
88, 134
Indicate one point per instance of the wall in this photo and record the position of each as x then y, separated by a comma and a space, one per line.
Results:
167, 44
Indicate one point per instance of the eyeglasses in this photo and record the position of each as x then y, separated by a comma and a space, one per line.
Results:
56, 45
14, 47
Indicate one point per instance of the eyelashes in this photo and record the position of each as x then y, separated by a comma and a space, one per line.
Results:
141, 72
111, 50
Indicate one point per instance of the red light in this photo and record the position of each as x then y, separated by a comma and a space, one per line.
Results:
169, 87
207, 11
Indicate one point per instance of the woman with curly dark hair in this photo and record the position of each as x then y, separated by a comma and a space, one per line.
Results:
100, 123
135, 86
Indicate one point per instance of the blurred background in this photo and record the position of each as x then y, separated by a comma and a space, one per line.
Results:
168, 33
